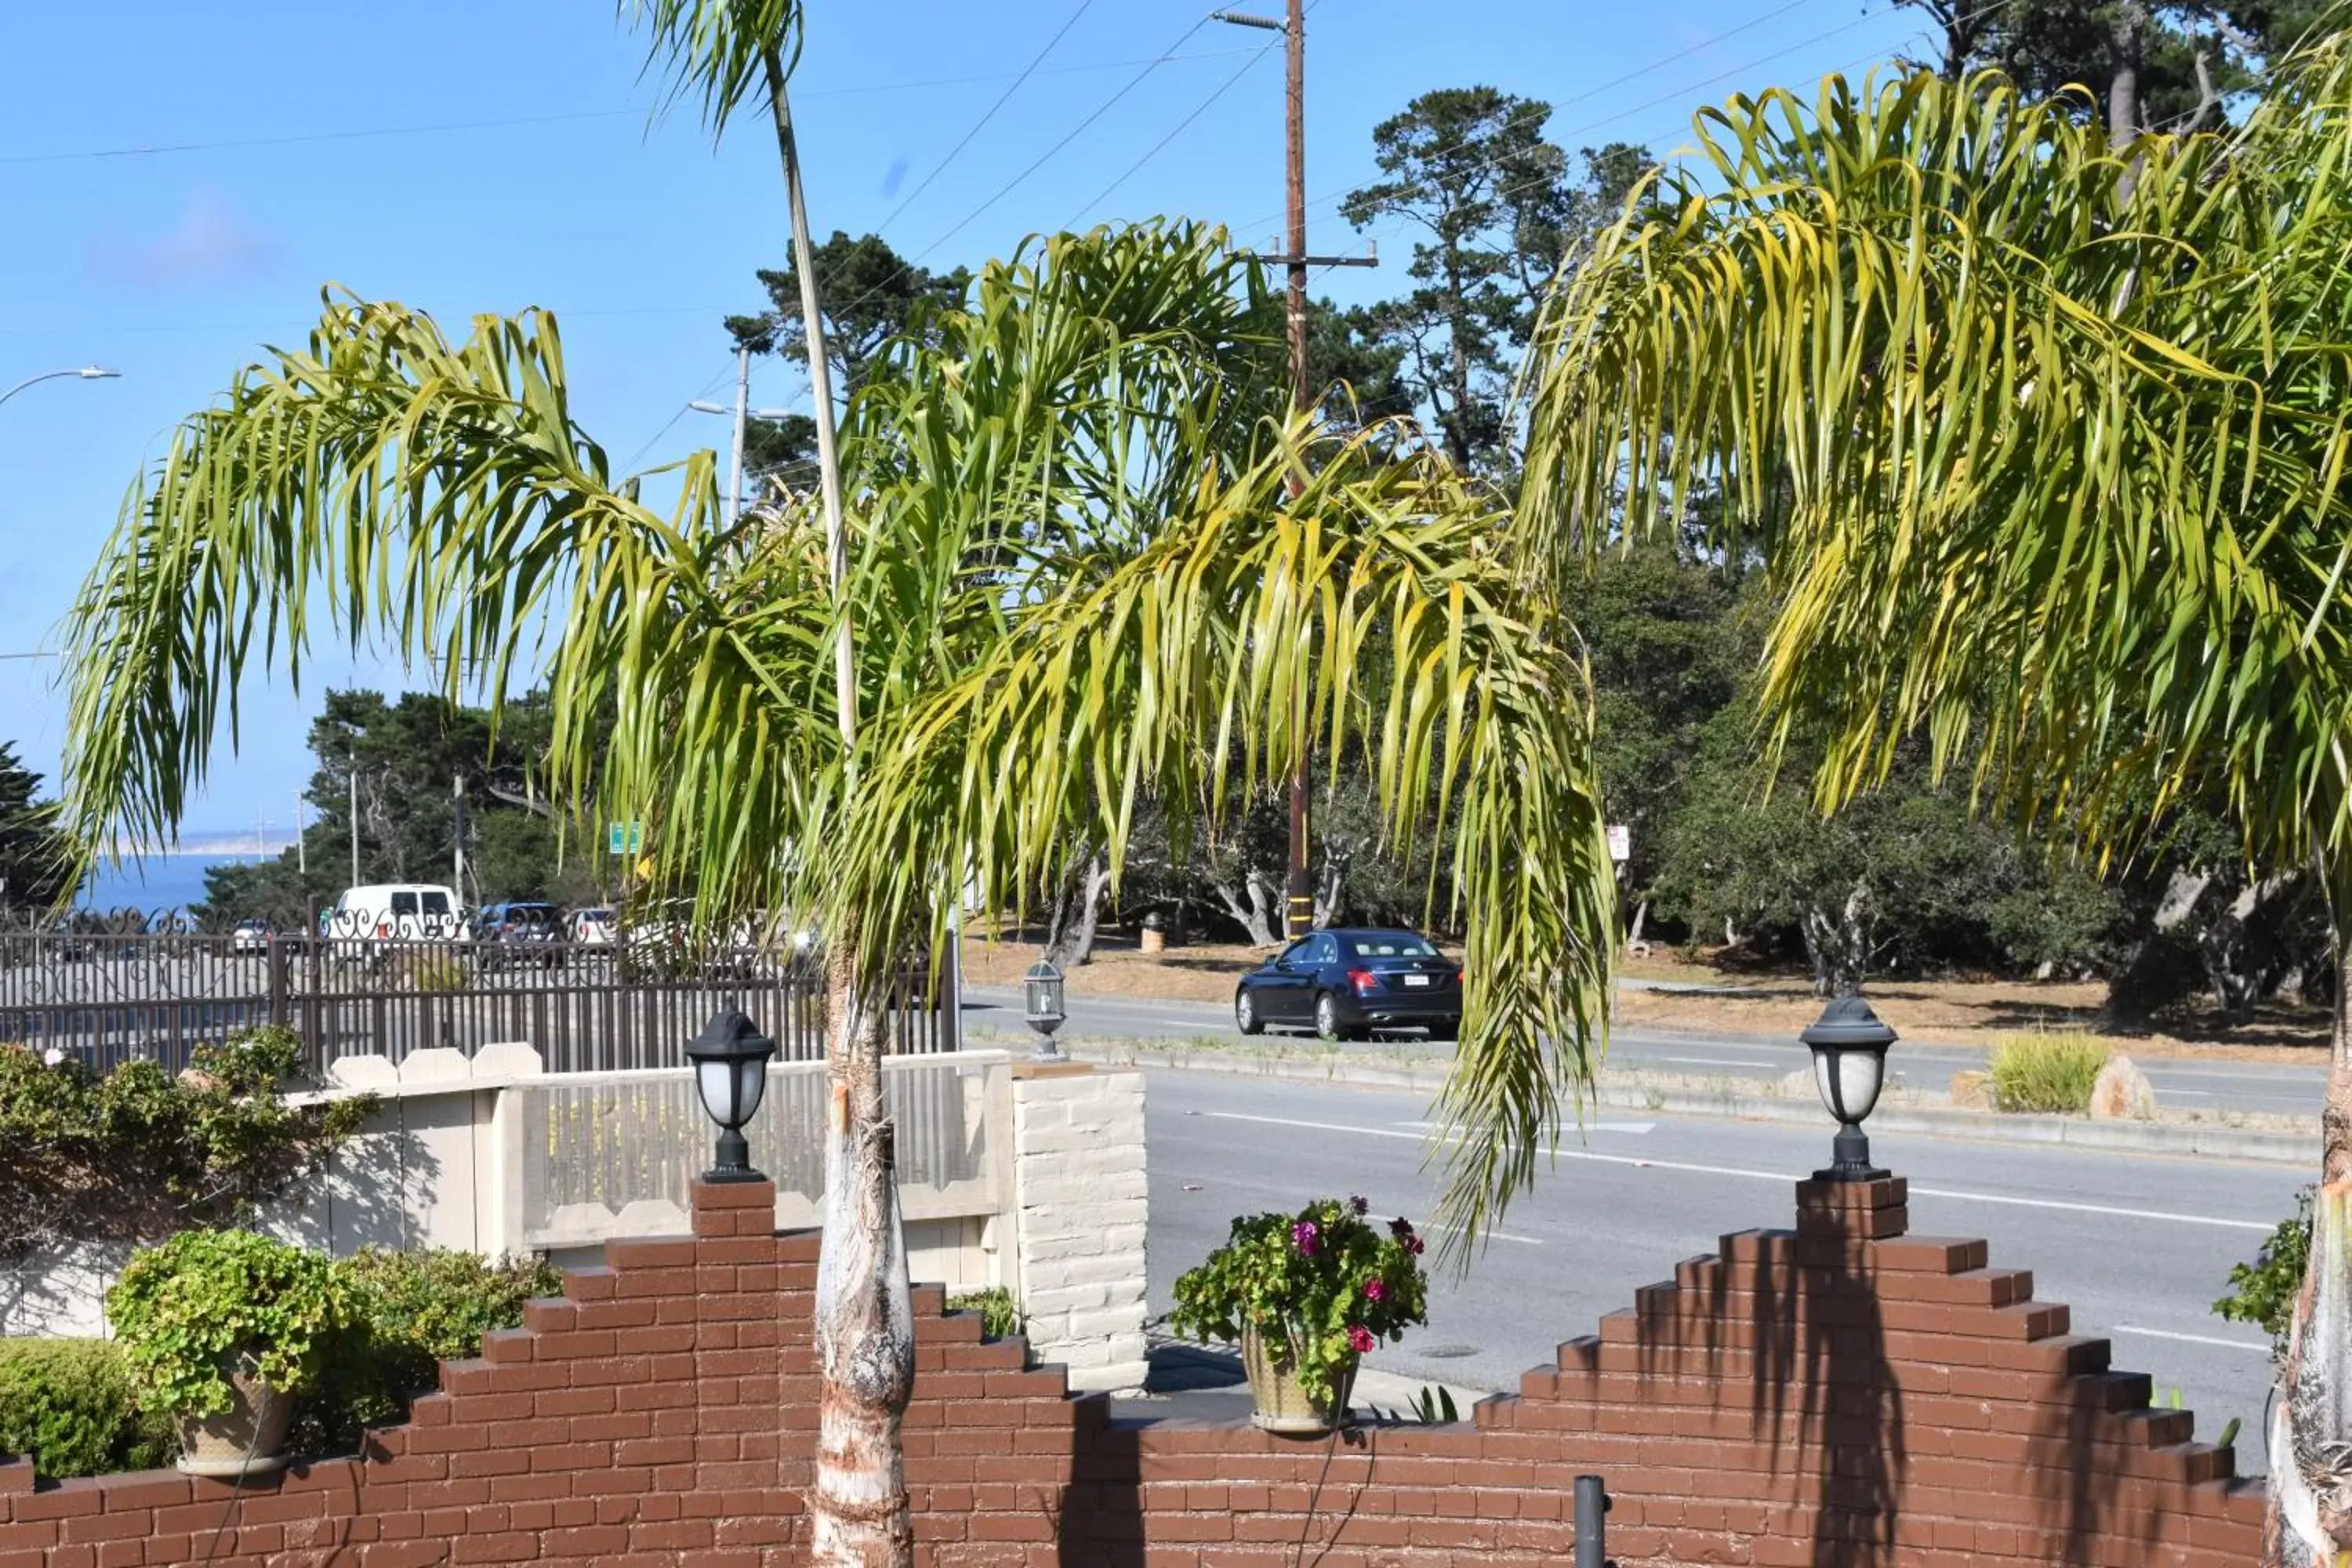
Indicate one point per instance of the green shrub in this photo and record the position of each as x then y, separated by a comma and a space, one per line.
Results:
206, 1302
2045, 1072
66, 1406
2263, 1291
137, 1154
405, 1312
1000, 1315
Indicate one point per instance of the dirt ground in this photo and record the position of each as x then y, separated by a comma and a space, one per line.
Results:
1767, 1002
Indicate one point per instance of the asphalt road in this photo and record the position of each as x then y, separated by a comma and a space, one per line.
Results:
2137, 1247
2210, 1085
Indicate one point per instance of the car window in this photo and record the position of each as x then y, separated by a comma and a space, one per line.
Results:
1299, 953
1327, 950
1386, 945
437, 903
403, 903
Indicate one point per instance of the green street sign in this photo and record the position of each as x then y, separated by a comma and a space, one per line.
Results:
625, 838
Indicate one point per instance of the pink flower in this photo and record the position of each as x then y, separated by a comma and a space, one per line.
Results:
1360, 1339
1303, 1235
1375, 1292
1412, 1245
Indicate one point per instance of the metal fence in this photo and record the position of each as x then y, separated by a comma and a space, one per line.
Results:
112, 996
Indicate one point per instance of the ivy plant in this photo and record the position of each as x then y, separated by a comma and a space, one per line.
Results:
137, 1154
210, 1303
1321, 1287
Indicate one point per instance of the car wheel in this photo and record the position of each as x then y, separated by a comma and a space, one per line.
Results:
1246, 1016
1326, 1018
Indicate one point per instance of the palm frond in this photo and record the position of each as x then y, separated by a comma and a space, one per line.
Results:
717, 52
2045, 444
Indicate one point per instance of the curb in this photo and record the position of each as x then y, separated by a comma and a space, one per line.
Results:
1681, 1097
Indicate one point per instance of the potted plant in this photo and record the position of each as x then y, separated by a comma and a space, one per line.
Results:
1306, 1295
222, 1329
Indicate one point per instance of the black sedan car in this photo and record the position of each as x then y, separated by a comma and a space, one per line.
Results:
1344, 983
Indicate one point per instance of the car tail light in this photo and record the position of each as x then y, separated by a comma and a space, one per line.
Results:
1364, 981
1457, 978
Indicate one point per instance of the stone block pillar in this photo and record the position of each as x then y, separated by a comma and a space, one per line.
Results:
1080, 1202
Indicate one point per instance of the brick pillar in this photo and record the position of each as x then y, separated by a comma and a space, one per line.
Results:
1853, 1211
734, 1209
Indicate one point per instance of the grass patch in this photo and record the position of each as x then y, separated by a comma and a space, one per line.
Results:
1000, 1315
2046, 1073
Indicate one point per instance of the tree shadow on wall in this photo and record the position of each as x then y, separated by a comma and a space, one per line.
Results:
1819, 1364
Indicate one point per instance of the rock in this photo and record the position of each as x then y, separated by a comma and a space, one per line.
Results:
1972, 1091
2122, 1093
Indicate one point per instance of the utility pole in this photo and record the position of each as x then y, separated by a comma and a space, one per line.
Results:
352, 777
301, 845
742, 413
457, 836
1299, 914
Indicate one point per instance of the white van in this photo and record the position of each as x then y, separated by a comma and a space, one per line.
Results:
396, 911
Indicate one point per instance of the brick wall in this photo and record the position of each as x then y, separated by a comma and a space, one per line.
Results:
1835, 1394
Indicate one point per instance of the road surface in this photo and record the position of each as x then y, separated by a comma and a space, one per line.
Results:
2137, 1247
2180, 1085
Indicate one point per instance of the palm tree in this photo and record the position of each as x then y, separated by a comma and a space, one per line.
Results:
2046, 443
1080, 588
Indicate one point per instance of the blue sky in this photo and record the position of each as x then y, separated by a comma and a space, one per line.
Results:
179, 182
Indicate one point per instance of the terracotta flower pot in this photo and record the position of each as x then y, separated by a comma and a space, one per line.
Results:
247, 1439
1283, 1406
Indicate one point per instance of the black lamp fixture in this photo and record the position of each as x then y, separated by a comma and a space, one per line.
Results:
1849, 1045
1041, 993
730, 1072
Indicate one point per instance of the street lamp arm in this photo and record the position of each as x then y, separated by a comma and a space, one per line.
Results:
87, 373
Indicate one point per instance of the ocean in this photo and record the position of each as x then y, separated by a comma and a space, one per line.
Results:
158, 882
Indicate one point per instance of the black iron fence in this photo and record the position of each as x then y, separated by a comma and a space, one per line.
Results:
106, 996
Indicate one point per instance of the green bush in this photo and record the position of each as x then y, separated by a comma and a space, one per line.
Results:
405, 1312
66, 1406
137, 1154
2045, 1072
1000, 1315
206, 1302
2263, 1291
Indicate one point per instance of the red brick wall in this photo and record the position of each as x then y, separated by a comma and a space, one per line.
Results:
1837, 1394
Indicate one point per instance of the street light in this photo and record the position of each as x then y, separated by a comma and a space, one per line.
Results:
1849, 1045
1041, 990
87, 373
730, 1072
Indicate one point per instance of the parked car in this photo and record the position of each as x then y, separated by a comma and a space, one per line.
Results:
251, 938
517, 931
395, 912
1344, 983
594, 927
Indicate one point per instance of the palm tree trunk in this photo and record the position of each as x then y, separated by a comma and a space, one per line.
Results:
2310, 1521
864, 1318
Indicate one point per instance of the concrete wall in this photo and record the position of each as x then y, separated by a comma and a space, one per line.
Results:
1039, 1183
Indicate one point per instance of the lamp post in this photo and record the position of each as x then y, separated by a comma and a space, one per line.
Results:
730, 1072
1041, 995
743, 412
1849, 1045
85, 372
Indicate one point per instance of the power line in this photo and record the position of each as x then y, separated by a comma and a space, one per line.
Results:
979, 125
1159, 147
1044, 158
437, 127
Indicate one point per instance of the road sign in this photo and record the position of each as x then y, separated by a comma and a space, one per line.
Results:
625, 838
1621, 843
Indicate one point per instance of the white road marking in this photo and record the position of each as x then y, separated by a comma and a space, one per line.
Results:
1505, 1236
1708, 1061
1589, 1127
2190, 1339
2166, 1217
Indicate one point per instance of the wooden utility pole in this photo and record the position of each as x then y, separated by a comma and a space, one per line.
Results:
1299, 916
